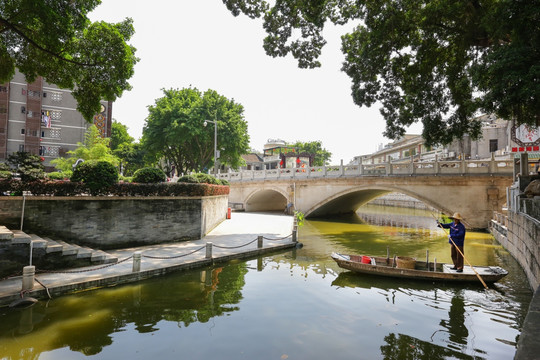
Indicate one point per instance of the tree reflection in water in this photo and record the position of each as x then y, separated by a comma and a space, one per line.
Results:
85, 322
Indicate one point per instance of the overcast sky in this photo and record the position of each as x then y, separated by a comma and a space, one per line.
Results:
199, 43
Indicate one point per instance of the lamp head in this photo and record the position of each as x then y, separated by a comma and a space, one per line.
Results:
205, 123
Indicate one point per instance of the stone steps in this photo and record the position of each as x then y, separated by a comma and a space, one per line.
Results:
46, 246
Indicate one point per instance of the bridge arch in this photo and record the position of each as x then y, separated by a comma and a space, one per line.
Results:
266, 199
352, 199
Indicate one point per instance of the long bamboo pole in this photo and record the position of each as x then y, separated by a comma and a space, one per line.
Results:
453, 243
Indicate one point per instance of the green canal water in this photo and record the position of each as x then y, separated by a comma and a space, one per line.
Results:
292, 305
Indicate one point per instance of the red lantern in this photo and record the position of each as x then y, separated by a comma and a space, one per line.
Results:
42, 158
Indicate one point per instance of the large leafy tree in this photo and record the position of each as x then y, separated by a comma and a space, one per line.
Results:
438, 62
124, 147
56, 40
321, 155
119, 135
174, 130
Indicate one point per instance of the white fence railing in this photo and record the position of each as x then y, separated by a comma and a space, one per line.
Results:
460, 167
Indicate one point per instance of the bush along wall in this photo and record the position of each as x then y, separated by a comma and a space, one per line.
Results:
69, 188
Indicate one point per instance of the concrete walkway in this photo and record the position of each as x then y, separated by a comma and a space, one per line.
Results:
233, 238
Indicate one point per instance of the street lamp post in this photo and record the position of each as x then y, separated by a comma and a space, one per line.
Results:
215, 142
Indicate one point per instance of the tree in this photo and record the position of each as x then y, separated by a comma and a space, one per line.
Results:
94, 148
56, 40
322, 156
132, 157
119, 135
29, 166
438, 62
174, 132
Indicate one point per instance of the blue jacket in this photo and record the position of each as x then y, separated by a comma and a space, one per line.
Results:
457, 232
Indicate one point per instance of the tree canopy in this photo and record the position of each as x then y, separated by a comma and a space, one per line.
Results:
321, 155
174, 130
56, 40
438, 62
119, 135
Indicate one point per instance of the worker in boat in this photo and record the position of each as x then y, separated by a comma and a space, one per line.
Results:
456, 238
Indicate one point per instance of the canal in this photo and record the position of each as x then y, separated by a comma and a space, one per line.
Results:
291, 305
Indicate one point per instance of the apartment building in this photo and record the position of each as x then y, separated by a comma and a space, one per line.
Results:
42, 119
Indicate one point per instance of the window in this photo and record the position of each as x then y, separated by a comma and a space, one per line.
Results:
56, 114
3, 89
44, 94
23, 91
43, 134
56, 96
493, 145
23, 109
34, 93
21, 148
49, 150
22, 131
3, 110
54, 133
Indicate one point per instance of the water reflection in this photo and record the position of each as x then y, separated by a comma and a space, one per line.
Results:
85, 326
401, 346
456, 321
296, 305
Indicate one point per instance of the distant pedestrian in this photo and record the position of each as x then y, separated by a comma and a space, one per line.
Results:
456, 240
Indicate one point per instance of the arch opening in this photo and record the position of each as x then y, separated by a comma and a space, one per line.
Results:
266, 200
352, 201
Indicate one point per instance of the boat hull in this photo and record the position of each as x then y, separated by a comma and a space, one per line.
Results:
421, 271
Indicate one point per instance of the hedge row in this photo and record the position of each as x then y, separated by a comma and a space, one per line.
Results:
68, 188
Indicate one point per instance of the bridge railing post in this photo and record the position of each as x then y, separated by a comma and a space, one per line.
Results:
463, 164
325, 172
413, 170
436, 165
341, 169
492, 164
388, 167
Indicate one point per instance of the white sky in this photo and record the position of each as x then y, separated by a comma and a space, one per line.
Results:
200, 43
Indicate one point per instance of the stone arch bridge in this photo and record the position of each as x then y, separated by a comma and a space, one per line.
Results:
474, 191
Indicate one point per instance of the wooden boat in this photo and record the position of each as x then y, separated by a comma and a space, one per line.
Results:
412, 269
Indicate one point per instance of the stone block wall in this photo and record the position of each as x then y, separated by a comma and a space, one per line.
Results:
521, 237
115, 222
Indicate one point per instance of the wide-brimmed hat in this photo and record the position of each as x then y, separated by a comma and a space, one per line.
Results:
456, 216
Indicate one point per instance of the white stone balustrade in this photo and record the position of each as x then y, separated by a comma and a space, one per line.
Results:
432, 168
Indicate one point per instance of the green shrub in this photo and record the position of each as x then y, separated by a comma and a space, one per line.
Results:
97, 176
149, 175
126, 179
224, 182
58, 175
188, 179
6, 175
206, 179
29, 166
71, 188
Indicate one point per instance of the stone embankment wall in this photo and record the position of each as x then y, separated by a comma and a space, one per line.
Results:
115, 222
518, 230
520, 235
